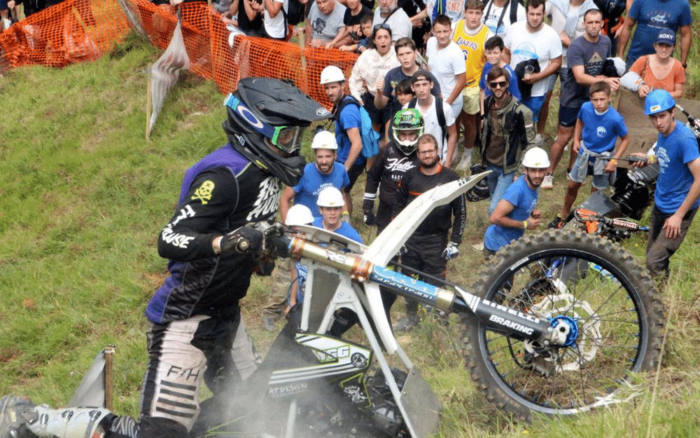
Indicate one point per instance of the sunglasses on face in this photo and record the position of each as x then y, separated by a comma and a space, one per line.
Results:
499, 84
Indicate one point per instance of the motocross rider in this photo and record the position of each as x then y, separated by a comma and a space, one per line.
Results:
195, 317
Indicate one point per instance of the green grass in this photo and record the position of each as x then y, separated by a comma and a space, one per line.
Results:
83, 197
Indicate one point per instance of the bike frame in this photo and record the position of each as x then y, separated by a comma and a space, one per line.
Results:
360, 273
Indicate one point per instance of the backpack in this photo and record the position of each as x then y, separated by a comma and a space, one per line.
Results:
439, 110
370, 137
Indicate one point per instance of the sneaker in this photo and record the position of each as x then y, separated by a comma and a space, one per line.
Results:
12, 409
548, 182
556, 224
406, 323
539, 140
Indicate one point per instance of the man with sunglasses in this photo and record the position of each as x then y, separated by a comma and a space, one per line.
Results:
508, 130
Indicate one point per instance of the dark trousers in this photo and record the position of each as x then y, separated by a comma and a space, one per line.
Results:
659, 248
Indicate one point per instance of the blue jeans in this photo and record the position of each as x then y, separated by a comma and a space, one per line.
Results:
498, 183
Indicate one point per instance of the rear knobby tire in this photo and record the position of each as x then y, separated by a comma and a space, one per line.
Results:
618, 312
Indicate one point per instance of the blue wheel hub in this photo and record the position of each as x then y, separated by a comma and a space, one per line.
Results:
558, 321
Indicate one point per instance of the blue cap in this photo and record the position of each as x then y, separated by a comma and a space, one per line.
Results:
666, 36
658, 101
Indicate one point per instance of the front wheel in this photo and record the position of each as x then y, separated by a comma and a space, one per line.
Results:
595, 286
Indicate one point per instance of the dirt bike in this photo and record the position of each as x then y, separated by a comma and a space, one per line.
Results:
533, 342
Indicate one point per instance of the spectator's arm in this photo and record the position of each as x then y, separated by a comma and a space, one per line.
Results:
625, 35
677, 92
252, 9
451, 143
341, 39
417, 20
686, 41
582, 78
286, 202
505, 56
457, 90
273, 7
355, 81
355, 147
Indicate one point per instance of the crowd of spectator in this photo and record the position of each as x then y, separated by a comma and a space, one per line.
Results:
441, 79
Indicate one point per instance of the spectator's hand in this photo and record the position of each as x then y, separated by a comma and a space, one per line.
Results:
451, 252
672, 226
534, 77
242, 240
532, 223
614, 83
380, 84
640, 164
610, 167
329, 45
347, 48
565, 40
575, 147
536, 214
368, 217
643, 91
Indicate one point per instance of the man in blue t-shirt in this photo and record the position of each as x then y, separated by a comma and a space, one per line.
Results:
516, 210
678, 186
318, 175
598, 127
651, 16
348, 123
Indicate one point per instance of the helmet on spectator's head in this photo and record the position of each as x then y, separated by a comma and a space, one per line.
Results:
407, 120
299, 214
658, 101
331, 74
536, 158
265, 123
324, 140
330, 197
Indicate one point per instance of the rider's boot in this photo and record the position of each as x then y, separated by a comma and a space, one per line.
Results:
12, 422
20, 418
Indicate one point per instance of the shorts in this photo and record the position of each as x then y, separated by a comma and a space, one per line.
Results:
568, 116
355, 172
600, 182
535, 105
470, 100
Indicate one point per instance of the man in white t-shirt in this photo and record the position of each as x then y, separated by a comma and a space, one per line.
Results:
273, 18
324, 22
500, 14
426, 104
446, 62
389, 13
528, 40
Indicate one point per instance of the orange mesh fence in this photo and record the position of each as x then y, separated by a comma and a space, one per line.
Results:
81, 30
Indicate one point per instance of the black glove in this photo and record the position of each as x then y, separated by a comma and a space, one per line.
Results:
369, 217
242, 240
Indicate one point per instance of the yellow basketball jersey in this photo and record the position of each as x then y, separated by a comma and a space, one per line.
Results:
473, 49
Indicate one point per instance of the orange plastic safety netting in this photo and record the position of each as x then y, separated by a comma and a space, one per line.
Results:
80, 30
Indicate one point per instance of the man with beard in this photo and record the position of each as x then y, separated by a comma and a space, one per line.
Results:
586, 56
516, 211
317, 176
508, 130
431, 245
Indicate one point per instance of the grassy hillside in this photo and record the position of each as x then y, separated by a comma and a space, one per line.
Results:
83, 197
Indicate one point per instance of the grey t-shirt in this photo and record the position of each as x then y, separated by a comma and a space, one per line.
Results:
591, 56
326, 27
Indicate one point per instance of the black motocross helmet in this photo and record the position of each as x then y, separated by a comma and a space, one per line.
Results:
266, 120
